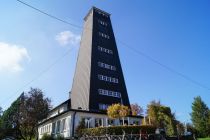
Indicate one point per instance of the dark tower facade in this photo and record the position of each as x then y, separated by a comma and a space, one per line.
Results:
98, 80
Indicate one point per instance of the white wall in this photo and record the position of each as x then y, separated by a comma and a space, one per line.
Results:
47, 126
66, 132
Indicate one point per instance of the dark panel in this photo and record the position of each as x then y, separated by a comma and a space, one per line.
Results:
89, 54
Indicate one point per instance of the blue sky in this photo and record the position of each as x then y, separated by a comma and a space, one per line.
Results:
175, 33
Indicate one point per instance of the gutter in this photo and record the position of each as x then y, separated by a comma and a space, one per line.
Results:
73, 123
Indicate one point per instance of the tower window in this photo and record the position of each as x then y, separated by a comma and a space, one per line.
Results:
107, 78
105, 50
109, 93
103, 35
106, 66
103, 106
102, 23
100, 13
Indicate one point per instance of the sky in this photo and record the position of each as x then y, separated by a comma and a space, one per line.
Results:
41, 52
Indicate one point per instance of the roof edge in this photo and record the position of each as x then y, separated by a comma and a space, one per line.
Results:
95, 8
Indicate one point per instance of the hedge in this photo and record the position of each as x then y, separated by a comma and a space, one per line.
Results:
50, 137
118, 130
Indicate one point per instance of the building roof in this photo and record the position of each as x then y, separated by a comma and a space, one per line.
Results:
65, 102
97, 10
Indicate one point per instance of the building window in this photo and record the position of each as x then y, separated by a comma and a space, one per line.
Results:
88, 121
101, 13
58, 126
46, 128
107, 66
109, 93
105, 50
49, 127
110, 122
63, 125
107, 78
135, 122
53, 128
103, 106
102, 23
103, 35
98, 122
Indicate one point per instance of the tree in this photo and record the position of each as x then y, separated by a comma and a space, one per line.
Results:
124, 111
1, 111
117, 111
161, 116
24, 113
180, 128
113, 111
136, 109
200, 116
9, 120
34, 108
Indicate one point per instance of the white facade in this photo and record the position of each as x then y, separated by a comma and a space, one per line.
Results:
64, 121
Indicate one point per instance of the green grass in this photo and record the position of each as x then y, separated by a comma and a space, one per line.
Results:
203, 138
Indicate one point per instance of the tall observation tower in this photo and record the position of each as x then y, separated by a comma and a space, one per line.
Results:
98, 80
98, 83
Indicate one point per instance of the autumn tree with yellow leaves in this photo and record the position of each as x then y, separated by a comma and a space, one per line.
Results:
116, 111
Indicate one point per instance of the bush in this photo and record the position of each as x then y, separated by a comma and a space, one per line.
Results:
47, 137
118, 130
59, 137
50, 137
80, 127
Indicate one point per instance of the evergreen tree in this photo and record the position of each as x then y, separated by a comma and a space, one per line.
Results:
200, 117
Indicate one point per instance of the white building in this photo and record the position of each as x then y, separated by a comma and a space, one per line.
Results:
63, 121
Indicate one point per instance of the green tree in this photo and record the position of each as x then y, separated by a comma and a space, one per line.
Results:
1, 111
10, 119
34, 108
191, 129
24, 113
200, 117
161, 116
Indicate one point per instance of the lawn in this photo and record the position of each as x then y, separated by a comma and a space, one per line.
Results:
203, 138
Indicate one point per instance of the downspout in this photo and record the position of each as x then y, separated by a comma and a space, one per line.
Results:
73, 123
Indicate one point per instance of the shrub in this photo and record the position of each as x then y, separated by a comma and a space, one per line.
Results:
118, 130
59, 137
47, 137
50, 137
80, 127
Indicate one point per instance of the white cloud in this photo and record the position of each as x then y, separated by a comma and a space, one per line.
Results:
11, 57
67, 37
